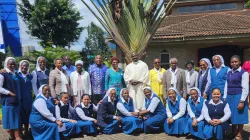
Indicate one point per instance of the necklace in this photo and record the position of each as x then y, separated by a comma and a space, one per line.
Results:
215, 108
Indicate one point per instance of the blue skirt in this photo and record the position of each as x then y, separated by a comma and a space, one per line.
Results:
11, 117
44, 130
195, 131
87, 127
71, 129
177, 127
111, 128
237, 117
130, 124
215, 131
153, 123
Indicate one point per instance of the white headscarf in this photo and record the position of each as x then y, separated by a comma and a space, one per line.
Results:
207, 61
198, 91
108, 92
20, 64
121, 93
79, 62
37, 63
175, 90
221, 59
40, 90
6, 63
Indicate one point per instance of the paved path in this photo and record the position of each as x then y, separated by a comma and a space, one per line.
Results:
121, 136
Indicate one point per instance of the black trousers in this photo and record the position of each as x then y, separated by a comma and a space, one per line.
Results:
96, 98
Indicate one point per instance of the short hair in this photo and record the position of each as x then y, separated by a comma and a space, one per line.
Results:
85, 95
62, 93
189, 62
57, 59
173, 59
235, 56
215, 89
115, 58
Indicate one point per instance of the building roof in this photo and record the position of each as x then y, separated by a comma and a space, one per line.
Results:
205, 24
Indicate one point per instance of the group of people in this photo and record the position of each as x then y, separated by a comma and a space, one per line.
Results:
70, 101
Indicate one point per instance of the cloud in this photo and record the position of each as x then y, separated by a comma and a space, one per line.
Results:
88, 17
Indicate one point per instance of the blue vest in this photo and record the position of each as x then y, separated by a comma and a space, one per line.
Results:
87, 111
12, 84
234, 82
64, 111
36, 116
218, 80
216, 111
160, 110
202, 81
129, 106
25, 83
42, 78
196, 109
174, 108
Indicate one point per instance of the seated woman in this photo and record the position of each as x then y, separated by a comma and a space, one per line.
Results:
216, 112
129, 114
63, 112
176, 109
153, 111
107, 119
84, 115
195, 118
44, 126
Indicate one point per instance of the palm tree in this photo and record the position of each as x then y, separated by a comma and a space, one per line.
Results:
130, 23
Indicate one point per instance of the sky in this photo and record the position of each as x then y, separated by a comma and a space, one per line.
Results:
88, 17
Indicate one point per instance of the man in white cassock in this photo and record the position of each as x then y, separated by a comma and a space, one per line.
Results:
136, 77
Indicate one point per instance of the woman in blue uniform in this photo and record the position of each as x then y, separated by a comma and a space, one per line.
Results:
63, 113
176, 113
153, 112
26, 93
10, 99
40, 74
203, 81
237, 92
107, 117
84, 115
218, 75
195, 118
216, 112
44, 125
129, 114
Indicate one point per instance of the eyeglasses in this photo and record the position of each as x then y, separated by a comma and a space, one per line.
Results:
157, 62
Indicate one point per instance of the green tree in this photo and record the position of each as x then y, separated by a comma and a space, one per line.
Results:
95, 44
248, 4
9, 52
2, 58
54, 22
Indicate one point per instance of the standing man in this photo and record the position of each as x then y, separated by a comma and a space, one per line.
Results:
97, 73
136, 77
68, 67
174, 77
155, 77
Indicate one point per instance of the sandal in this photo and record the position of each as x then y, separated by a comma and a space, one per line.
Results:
238, 138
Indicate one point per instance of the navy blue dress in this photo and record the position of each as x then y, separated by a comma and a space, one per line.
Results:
26, 97
105, 114
130, 123
11, 105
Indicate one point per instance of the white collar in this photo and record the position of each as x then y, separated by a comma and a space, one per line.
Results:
211, 102
109, 100
39, 69
123, 101
171, 70
8, 71
62, 104
198, 100
222, 66
239, 69
83, 106
150, 96
43, 96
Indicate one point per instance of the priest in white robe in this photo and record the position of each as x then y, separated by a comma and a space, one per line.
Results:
136, 77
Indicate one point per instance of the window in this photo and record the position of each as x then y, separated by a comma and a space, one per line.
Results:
204, 8
164, 57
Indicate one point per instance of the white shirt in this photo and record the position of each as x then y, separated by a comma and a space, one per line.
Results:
153, 104
191, 113
227, 111
182, 109
193, 79
123, 110
41, 107
85, 81
208, 80
58, 115
3, 90
34, 80
244, 85
81, 113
